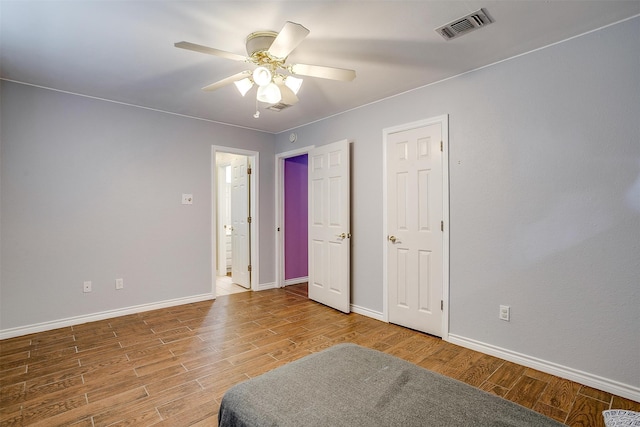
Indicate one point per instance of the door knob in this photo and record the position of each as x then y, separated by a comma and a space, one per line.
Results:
392, 239
342, 236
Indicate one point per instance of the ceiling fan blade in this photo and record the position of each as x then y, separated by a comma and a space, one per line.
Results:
227, 81
288, 39
323, 72
210, 51
288, 97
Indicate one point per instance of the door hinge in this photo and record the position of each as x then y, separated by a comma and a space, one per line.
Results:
249, 267
248, 171
441, 146
249, 219
441, 305
441, 225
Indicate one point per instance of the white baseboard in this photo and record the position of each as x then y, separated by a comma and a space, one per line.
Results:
264, 286
77, 320
625, 390
296, 281
367, 312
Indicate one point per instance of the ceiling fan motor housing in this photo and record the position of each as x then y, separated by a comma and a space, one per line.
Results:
259, 41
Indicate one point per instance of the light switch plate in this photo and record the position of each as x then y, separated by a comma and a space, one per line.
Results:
187, 199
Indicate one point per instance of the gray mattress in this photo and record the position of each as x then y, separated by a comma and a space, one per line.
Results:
348, 385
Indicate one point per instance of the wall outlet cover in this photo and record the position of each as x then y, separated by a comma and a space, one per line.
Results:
505, 312
187, 199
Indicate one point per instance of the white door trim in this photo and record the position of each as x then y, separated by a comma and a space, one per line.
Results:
444, 121
280, 158
254, 212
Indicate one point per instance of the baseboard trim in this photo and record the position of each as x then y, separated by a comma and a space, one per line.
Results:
624, 390
265, 286
78, 320
367, 312
296, 281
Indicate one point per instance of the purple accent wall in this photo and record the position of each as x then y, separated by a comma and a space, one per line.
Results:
295, 217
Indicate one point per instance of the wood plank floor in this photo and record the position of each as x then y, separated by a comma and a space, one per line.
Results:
171, 367
225, 286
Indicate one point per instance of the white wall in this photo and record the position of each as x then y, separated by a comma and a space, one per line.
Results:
91, 190
544, 202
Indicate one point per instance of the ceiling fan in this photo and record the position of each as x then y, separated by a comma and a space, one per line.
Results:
275, 78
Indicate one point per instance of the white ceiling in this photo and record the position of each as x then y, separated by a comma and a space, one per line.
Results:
123, 50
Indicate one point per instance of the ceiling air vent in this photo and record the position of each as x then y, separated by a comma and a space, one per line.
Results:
464, 25
278, 107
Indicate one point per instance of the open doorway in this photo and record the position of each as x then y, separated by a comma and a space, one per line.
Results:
234, 207
292, 196
296, 242
328, 230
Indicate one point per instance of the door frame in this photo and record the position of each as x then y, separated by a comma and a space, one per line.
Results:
280, 158
443, 120
253, 212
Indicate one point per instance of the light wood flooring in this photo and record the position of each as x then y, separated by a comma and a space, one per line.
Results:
170, 367
225, 286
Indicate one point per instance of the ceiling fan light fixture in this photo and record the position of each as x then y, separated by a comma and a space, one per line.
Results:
293, 83
244, 85
262, 76
269, 93
268, 51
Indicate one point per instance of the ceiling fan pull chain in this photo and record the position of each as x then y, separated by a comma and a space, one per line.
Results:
257, 114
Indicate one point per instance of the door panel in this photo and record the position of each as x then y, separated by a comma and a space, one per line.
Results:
414, 212
239, 215
329, 226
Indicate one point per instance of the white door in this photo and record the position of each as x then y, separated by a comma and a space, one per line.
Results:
240, 264
224, 219
329, 226
415, 239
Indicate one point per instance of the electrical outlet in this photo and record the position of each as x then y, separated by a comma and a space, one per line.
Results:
86, 287
187, 199
119, 283
505, 312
